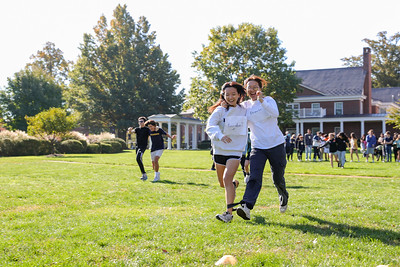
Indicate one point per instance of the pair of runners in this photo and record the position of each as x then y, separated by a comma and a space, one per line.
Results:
146, 129
227, 128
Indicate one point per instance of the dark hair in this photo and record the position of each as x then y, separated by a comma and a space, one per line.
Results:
240, 89
342, 134
353, 135
261, 82
142, 118
150, 122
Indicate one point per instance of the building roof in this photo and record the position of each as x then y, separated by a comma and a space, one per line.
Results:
333, 82
391, 94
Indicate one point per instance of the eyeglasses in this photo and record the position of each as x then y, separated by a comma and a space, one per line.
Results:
253, 88
141, 121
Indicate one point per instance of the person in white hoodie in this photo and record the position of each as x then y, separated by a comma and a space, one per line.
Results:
267, 143
227, 129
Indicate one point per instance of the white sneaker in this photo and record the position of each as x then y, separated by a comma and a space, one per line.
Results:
244, 212
144, 177
225, 217
282, 209
246, 179
156, 177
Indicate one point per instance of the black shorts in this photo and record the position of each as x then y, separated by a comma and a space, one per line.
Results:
221, 160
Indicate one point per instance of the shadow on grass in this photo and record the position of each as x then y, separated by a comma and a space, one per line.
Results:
327, 228
172, 182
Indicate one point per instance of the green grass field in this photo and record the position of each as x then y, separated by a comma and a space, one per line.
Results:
82, 210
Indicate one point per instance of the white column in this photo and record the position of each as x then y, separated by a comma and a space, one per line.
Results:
297, 128
203, 133
187, 135
178, 136
169, 131
194, 137
321, 126
384, 126
302, 128
341, 126
160, 125
362, 128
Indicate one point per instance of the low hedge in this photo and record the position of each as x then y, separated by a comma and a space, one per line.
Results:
71, 147
106, 148
93, 149
24, 147
119, 140
116, 146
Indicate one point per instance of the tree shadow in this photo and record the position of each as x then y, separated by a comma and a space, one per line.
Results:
328, 228
179, 183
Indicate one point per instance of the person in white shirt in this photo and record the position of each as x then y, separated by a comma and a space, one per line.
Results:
267, 143
227, 129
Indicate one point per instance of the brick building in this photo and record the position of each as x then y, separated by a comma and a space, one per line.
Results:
342, 99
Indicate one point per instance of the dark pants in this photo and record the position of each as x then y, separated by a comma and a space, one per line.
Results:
277, 161
139, 154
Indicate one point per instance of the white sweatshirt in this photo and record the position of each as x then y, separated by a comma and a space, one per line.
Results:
263, 123
232, 123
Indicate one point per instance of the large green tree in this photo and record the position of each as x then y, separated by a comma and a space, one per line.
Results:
122, 74
29, 92
385, 60
394, 116
236, 53
51, 60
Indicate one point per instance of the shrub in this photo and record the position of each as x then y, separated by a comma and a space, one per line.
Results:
76, 136
106, 148
93, 149
26, 147
6, 146
97, 138
119, 140
45, 147
71, 147
116, 146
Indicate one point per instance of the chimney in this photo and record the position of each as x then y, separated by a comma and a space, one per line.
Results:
367, 106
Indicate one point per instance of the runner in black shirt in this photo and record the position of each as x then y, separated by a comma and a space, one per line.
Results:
142, 137
157, 146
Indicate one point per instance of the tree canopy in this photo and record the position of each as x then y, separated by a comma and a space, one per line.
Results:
233, 54
28, 93
385, 60
51, 60
122, 74
394, 116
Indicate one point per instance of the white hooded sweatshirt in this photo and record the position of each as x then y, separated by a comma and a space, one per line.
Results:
230, 122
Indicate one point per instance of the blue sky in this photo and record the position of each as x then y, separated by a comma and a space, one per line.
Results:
315, 33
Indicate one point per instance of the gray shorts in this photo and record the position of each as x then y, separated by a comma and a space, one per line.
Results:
370, 150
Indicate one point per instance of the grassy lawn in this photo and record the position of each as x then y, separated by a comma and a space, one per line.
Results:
81, 210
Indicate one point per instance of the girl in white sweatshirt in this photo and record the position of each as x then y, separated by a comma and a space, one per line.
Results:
227, 129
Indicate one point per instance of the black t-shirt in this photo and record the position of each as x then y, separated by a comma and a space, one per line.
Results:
157, 140
142, 136
341, 144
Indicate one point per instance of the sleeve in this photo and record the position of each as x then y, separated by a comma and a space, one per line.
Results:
270, 106
212, 129
162, 131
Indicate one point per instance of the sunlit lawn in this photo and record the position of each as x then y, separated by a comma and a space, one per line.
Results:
94, 210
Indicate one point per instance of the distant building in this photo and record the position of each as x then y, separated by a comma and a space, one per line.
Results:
342, 99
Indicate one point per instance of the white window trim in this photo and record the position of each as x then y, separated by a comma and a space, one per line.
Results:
335, 107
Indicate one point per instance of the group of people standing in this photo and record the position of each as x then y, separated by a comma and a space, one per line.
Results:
320, 146
231, 117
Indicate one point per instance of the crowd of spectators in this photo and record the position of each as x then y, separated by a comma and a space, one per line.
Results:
328, 146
